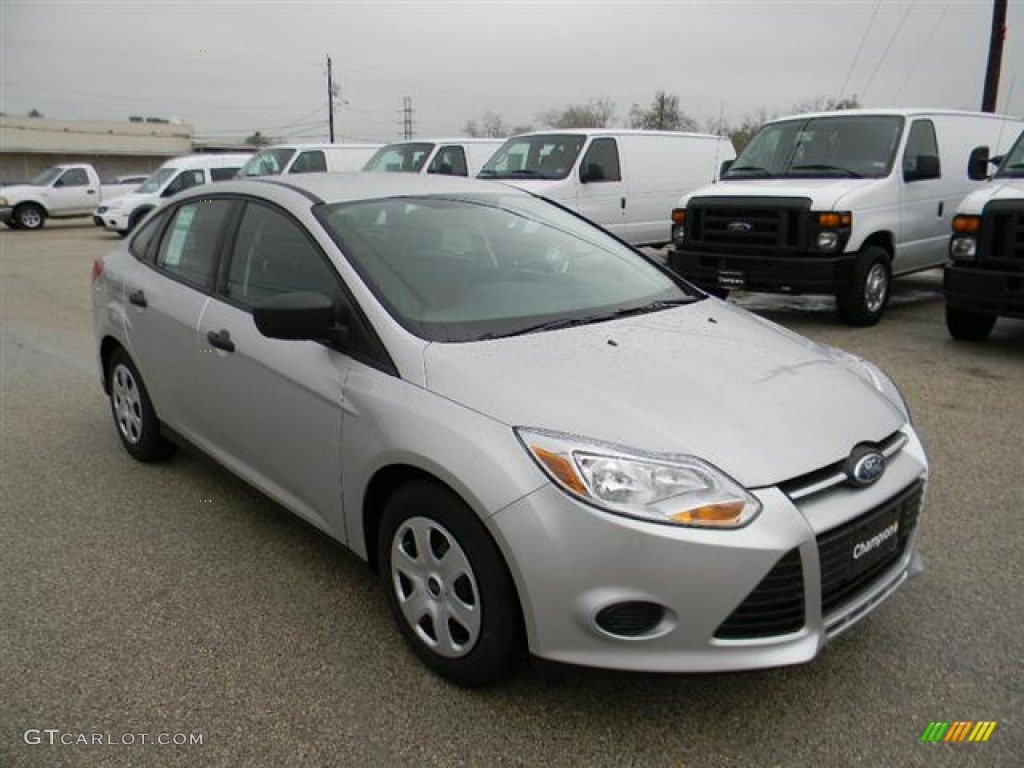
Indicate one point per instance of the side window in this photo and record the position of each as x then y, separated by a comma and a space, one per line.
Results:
450, 161
310, 162
601, 163
220, 174
76, 177
142, 244
184, 180
920, 142
189, 246
273, 255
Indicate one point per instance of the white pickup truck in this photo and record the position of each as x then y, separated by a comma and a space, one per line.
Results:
60, 192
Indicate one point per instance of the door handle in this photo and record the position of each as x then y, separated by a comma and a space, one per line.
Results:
138, 298
221, 340
942, 207
90, 191
622, 203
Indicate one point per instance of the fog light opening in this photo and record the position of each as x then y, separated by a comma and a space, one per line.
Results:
633, 619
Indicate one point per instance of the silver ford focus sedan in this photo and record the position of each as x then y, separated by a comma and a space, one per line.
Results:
543, 441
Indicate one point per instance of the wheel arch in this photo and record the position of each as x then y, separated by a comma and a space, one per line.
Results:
883, 240
108, 346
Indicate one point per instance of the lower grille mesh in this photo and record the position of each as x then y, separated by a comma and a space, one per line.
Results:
775, 607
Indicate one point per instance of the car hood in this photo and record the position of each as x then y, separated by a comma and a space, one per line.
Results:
824, 194
707, 379
132, 199
542, 187
19, 190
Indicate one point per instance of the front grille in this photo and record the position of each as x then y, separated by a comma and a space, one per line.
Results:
1002, 232
740, 225
774, 607
841, 578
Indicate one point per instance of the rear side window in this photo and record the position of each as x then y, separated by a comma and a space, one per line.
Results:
189, 246
143, 244
273, 255
184, 180
310, 162
921, 141
449, 161
220, 174
603, 154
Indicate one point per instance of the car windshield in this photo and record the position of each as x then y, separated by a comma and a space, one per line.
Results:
853, 146
156, 182
547, 156
478, 267
47, 177
1012, 166
400, 158
268, 162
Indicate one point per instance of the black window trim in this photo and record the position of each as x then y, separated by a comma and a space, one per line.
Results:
590, 146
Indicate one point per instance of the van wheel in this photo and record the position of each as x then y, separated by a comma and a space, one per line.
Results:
967, 325
29, 216
448, 587
866, 295
136, 421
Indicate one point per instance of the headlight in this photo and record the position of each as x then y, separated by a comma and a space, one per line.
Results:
827, 241
963, 248
3, 201
673, 489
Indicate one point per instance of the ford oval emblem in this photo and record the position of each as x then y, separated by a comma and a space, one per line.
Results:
864, 466
740, 226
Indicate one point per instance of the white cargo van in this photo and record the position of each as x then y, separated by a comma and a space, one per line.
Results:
836, 203
625, 181
451, 157
308, 158
122, 214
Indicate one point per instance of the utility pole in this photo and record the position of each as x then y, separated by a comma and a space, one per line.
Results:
407, 118
995, 56
330, 102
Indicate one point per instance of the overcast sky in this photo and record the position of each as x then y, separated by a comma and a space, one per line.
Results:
230, 68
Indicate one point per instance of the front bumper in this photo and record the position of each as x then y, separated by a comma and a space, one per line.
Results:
808, 273
984, 289
115, 220
571, 563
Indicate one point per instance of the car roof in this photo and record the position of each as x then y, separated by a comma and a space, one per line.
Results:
345, 187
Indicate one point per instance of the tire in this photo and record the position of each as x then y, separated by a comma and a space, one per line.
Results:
438, 562
136, 421
29, 216
968, 325
865, 297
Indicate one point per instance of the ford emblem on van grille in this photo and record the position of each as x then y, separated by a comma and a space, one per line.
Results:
740, 226
865, 465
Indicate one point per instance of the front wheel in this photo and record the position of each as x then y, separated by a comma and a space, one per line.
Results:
967, 325
29, 216
136, 421
448, 587
866, 296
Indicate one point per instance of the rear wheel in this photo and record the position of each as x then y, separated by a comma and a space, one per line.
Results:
866, 295
448, 587
29, 216
967, 325
136, 421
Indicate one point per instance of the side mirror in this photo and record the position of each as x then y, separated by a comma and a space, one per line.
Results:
927, 167
302, 315
592, 172
724, 168
977, 164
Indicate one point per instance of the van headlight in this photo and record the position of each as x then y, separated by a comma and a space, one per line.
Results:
672, 489
963, 248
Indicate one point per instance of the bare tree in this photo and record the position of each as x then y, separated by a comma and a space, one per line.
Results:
663, 114
35, 113
594, 114
823, 104
492, 125
257, 139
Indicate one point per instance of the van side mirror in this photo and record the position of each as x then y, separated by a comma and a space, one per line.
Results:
977, 164
925, 167
302, 315
724, 168
592, 172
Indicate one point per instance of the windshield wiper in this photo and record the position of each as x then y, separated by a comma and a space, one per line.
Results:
825, 167
569, 322
749, 169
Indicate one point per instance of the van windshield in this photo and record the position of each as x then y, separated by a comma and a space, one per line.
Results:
844, 146
547, 156
400, 158
156, 182
475, 267
268, 162
1012, 166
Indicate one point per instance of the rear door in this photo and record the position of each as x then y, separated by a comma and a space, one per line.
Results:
601, 195
272, 409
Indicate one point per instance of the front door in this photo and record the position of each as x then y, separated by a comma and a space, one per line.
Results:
602, 193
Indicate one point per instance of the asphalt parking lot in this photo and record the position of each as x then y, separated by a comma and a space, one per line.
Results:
173, 600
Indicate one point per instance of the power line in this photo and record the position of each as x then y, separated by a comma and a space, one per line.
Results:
856, 56
920, 52
885, 53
